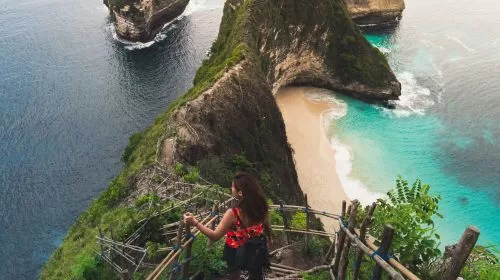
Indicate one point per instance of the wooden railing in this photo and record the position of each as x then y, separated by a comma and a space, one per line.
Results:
348, 238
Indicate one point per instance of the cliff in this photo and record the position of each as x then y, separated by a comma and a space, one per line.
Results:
230, 115
141, 20
375, 12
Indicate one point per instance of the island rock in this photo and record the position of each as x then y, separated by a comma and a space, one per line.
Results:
375, 12
141, 20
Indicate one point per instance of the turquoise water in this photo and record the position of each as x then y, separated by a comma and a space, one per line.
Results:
445, 128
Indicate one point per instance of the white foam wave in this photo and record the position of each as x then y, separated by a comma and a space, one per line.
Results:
353, 188
327, 96
461, 43
414, 99
193, 6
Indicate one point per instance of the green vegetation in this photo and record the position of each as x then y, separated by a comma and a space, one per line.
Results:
482, 264
208, 258
410, 210
320, 275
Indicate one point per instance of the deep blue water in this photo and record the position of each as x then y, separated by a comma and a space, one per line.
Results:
70, 96
445, 129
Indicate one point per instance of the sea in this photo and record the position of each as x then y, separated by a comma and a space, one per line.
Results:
72, 93
445, 129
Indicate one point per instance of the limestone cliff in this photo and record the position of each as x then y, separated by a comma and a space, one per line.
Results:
262, 46
375, 12
141, 20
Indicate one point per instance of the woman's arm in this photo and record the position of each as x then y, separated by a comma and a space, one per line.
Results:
214, 235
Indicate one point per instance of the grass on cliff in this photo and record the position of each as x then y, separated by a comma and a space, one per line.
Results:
75, 258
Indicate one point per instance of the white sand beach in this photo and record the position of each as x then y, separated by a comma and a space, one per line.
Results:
314, 157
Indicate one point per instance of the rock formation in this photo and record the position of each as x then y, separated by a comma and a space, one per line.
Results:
141, 20
375, 12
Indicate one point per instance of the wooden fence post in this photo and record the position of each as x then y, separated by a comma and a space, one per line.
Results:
285, 222
344, 258
362, 236
383, 250
340, 241
459, 253
173, 275
306, 210
187, 257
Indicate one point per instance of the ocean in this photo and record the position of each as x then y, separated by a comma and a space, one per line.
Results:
71, 95
445, 129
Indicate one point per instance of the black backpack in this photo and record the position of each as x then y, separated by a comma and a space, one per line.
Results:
253, 256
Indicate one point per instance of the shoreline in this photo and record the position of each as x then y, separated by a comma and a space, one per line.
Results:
313, 154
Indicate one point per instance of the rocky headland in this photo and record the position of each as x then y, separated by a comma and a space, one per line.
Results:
141, 20
231, 111
375, 12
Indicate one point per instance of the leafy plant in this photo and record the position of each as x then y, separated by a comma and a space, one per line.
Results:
241, 163
193, 175
208, 259
320, 275
410, 210
298, 221
482, 264
179, 169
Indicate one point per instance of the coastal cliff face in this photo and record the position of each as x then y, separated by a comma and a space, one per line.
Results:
375, 12
263, 46
141, 20
231, 111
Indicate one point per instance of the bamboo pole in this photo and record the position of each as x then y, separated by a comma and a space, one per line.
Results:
284, 266
383, 250
405, 271
393, 274
362, 235
173, 275
344, 258
285, 223
313, 232
459, 253
187, 257
306, 237
331, 251
340, 245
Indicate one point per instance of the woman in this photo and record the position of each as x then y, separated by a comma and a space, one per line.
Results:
248, 221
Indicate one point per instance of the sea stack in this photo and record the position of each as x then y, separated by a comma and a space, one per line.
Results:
141, 20
375, 12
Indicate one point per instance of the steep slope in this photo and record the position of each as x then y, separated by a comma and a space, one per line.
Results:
231, 111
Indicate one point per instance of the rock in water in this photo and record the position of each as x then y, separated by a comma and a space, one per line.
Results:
141, 20
375, 12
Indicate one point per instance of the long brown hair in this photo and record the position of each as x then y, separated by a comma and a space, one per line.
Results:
253, 204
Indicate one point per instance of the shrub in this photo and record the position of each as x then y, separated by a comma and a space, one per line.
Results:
482, 264
192, 176
410, 210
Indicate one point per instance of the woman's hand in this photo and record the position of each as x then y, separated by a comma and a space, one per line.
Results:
190, 219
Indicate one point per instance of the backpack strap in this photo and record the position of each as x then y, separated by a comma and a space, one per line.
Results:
235, 212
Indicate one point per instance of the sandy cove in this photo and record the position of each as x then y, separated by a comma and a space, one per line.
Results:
313, 155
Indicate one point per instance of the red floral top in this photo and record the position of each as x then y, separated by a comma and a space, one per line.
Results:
239, 235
